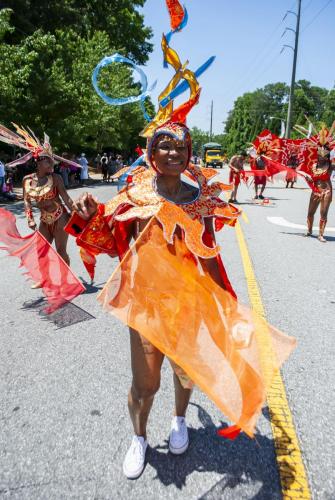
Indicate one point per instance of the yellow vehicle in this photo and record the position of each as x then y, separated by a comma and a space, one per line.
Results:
212, 155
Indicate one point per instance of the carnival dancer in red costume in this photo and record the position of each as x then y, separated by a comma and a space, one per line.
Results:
267, 160
317, 152
292, 163
260, 152
171, 288
260, 180
236, 173
43, 188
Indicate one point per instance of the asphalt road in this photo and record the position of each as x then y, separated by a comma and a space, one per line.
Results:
64, 380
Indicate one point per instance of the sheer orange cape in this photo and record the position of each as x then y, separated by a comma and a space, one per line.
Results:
160, 290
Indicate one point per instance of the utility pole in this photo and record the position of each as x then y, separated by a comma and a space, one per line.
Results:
211, 127
291, 98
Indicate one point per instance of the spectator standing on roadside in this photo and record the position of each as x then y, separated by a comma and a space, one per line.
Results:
112, 167
104, 165
64, 171
97, 161
84, 168
119, 162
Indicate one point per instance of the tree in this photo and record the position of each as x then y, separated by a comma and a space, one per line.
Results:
119, 19
266, 107
5, 26
45, 82
199, 137
328, 114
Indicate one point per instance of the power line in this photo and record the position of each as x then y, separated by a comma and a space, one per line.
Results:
316, 15
258, 60
294, 68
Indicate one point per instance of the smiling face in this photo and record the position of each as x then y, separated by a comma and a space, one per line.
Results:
170, 156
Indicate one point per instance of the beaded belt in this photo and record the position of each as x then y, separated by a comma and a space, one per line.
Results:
51, 217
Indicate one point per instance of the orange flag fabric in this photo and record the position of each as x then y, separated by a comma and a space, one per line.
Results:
162, 291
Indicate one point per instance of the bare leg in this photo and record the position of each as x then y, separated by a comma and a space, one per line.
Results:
262, 189
182, 397
44, 230
312, 207
235, 192
146, 362
61, 238
325, 204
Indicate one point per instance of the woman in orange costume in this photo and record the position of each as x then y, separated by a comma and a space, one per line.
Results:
171, 288
172, 291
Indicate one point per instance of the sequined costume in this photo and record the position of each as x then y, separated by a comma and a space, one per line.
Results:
38, 194
161, 289
45, 189
170, 287
315, 153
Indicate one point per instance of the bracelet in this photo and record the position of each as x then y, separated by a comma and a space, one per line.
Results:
30, 217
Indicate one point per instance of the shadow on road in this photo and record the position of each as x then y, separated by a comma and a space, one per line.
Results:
314, 236
90, 287
67, 315
241, 462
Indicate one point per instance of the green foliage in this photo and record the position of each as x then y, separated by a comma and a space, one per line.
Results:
45, 78
5, 26
264, 108
199, 138
328, 114
119, 19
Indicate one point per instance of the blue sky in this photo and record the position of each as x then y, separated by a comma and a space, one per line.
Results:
245, 36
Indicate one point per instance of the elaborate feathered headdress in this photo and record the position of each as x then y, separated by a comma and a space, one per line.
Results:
27, 140
322, 142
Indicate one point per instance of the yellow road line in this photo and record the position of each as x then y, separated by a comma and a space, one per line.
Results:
245, 217
292, 471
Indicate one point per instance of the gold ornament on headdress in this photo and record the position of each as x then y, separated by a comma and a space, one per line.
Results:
26, 140
167, 113
324, 140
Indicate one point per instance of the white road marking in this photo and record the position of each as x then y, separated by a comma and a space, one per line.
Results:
280, 221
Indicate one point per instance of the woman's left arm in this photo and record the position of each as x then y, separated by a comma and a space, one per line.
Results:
62, 191
211, 265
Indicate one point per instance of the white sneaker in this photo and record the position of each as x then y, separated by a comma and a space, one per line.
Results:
134, 461
178, 442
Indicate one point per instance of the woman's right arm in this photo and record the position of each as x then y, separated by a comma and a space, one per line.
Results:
86, 206
28, 208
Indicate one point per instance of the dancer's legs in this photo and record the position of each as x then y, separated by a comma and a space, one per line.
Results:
326, 200
182, 397
314, 202
146, 362
61, 237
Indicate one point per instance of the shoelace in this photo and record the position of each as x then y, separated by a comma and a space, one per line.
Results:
178, 426
137, 447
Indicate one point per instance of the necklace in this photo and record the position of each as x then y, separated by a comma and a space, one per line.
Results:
38, 180
166, 193
319, 170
